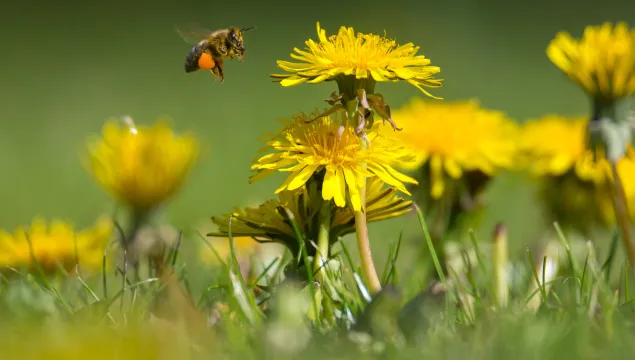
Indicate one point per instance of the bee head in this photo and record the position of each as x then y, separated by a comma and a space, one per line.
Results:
235, 37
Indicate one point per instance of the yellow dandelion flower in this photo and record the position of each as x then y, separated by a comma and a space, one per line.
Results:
245, 247
55, 244
359, 56
270, 222
454, 138
554, 145
141, 166
626, 172
323, 146
602, 62
576, 189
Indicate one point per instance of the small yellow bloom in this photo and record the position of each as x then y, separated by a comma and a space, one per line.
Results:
55, 244
245, 247
602, 62
270, 222
453, 138
362, 56
141, 166
306, 148
554, 145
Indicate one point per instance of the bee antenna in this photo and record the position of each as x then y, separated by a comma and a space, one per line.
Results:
249, 28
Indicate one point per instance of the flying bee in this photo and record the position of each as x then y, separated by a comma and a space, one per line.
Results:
212, 47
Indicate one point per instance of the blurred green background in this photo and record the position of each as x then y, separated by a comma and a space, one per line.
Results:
67, 66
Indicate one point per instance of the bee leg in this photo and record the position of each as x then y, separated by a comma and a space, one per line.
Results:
219, 66
215, 70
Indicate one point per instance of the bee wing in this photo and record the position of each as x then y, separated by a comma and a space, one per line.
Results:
193, 33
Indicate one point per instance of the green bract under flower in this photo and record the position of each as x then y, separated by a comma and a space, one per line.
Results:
271, 221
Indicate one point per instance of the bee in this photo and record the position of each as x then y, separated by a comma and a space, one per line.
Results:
212, 47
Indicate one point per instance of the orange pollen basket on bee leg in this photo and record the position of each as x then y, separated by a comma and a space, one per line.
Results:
206, 62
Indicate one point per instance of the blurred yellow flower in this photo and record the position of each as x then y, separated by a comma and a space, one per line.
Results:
270, 223
307, 148
602, 62
554, 144
55, 244
626, 172
141, 166
576, 188
245, 247
456, 137
80, 339
360, 56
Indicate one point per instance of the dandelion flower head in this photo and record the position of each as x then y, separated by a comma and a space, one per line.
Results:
554, 144
358, 55
602, 62
54, 244
305, 148
576, 187
455, 137
141, 166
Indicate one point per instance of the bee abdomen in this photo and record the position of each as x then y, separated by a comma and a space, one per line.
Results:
191, 61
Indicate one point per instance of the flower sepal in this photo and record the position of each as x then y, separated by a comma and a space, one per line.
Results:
609, 132
273, 220
607, 138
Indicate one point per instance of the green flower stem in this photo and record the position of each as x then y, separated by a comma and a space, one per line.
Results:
138, 219
361, 231
322, 254
622, 216
610, 129
348, 85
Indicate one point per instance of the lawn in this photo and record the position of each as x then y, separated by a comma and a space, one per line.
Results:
150, 212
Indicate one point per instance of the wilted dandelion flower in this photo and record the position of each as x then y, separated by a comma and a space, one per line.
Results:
270, 221
141, 166
602, 62
576, 189
348, 56
456, 139
55, 244
304, 149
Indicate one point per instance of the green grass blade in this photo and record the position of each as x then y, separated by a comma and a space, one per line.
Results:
433, 253
264, 272
608, 263
104, 277
237, 279
543, 293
